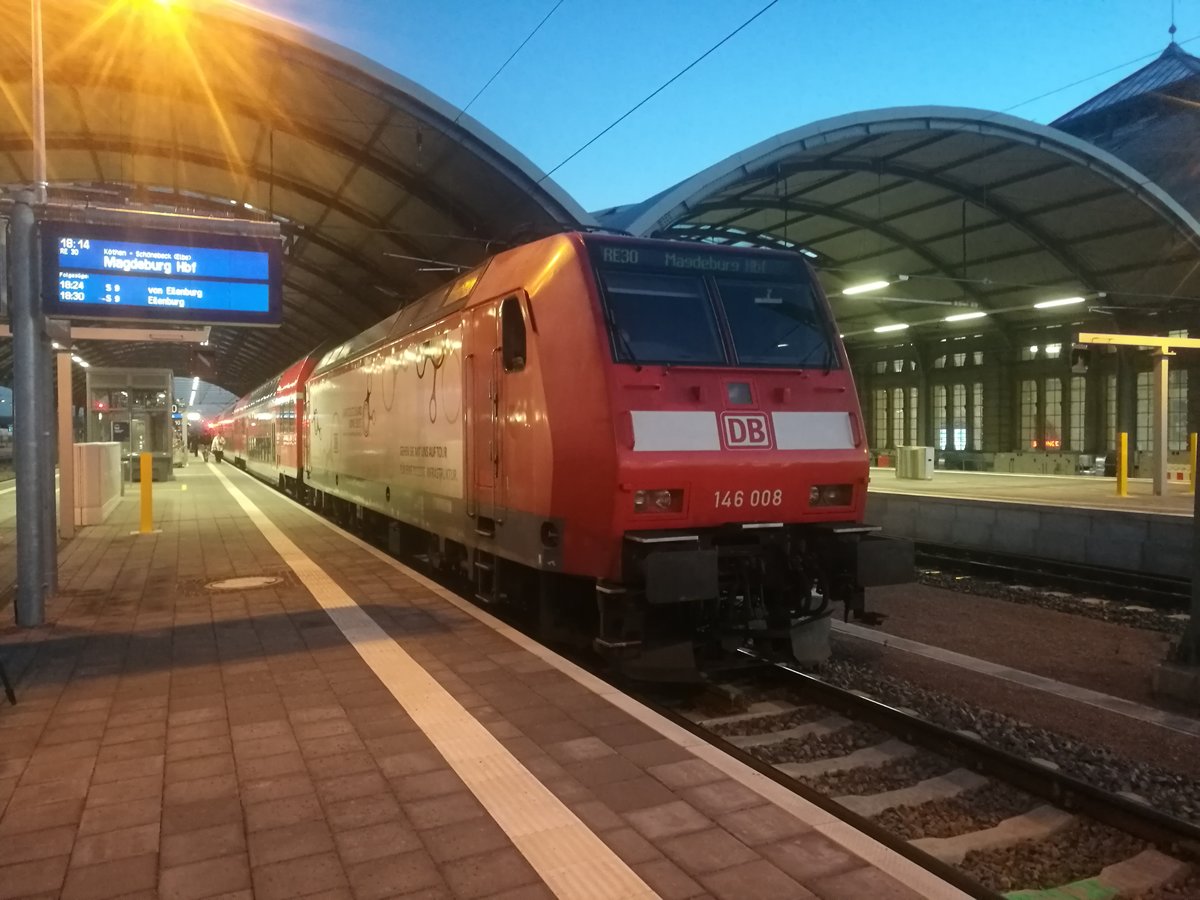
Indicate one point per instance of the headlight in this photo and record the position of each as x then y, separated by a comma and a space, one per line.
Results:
658, 501
830, 495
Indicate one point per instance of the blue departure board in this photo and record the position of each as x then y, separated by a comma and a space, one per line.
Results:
102, 271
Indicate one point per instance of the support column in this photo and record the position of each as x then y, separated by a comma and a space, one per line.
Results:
1187, 684
29, 385
66, 448
1127, 396
48, 452
1161, 369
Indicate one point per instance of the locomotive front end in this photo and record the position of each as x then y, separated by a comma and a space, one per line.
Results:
742, 461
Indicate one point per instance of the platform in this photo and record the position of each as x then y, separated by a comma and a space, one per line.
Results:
1076, 492
1073, 519
350, 729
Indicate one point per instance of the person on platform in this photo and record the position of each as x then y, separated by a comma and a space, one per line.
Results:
218, 448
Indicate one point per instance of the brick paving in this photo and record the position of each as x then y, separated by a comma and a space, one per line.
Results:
181, 742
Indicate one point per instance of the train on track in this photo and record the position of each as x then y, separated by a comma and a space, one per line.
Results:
650, 447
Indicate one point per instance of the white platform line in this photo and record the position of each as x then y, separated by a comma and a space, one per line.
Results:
875, 854
570, 858
1086, 696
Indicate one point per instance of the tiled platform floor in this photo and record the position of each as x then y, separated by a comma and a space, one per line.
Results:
174, 741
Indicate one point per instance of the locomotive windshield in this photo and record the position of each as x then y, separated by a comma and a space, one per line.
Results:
775, 324
662, 318
720, 310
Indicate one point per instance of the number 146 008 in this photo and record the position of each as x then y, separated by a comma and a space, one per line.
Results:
737, 499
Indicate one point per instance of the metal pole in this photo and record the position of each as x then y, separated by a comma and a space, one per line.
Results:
146, 519
66, 449
28, 383
40, 181
1160, 422
1192, 462
47, 445
1122, 465
1189, 646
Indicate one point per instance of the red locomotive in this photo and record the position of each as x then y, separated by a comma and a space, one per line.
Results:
650, 445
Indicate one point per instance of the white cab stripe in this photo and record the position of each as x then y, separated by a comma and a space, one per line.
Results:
656, 430
813, 431
570, 858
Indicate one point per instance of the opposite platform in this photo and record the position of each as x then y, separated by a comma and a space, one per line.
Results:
349, 729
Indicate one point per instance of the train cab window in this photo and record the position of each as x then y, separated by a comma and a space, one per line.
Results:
661, 319
777, 324
512, 335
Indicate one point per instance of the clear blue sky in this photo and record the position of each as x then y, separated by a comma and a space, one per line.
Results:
801, 61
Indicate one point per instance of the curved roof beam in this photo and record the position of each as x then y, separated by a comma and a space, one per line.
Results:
673, 204
958, 190
831, 145
898, 238
358, 69
413, 183
224, 100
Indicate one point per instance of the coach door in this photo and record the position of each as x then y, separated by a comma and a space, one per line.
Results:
483, 404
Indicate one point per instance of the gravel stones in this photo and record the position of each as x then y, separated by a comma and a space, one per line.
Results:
1078, 851
1091, 607
892, 776
1175, 794
769, 724
972, 811
826, 746
1187, 888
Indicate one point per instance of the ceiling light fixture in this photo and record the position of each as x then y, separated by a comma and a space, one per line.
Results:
1065, 301
865, 287
967, 316
884, 329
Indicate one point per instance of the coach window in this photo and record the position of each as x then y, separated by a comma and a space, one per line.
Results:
512, 335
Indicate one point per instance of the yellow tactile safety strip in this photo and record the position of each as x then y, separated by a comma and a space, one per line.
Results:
572, 861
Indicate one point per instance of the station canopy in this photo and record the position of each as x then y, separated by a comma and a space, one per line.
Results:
960, 211
381, 188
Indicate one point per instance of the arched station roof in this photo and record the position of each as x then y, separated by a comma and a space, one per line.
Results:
217, 108
952, 206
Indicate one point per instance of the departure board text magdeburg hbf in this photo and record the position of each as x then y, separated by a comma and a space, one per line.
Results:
96, 275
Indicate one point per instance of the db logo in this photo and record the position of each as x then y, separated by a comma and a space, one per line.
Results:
745, 431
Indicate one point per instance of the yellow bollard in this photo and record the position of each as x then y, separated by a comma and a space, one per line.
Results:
147, 470
1123, 465
1192, 461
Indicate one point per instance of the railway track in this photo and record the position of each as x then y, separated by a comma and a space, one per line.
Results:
993, 823
1159, 592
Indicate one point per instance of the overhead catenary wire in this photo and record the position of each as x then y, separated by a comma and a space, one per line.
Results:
695, 62
511, 57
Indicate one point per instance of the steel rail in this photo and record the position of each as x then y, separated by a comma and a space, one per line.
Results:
1066, 791
1159, 591
943, 870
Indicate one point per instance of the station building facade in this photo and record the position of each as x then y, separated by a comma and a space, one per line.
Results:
994, 401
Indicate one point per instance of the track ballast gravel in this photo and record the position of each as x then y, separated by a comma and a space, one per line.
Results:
1079, 851
842, 742
891, 776
1175, 794
1131, 614
976, 810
